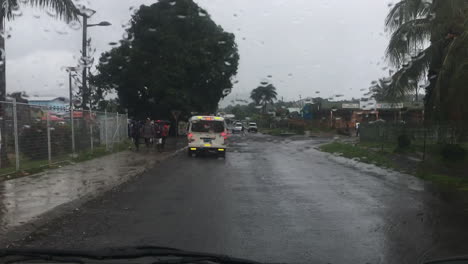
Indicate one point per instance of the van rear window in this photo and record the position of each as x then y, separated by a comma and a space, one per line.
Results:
208, 126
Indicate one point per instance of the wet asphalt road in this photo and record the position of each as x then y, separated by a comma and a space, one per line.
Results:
271, 200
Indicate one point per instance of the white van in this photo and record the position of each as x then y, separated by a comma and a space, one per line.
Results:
207, 134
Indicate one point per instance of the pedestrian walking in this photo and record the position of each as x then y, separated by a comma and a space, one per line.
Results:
148, 132
158, 136
164, 134
358, 128
135, 133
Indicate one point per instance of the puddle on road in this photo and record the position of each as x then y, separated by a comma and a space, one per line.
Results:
23, 199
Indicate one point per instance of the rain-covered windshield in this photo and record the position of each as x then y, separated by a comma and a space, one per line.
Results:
208, 126
281, 131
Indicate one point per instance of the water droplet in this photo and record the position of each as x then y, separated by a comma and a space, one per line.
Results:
404, 37
86, 61
16, 11
113, 43
181, 17
227, 91
227, 63
172, 3
75, 25
152, 30
51, 12
317, 92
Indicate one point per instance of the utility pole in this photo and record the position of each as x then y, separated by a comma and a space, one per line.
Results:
84, 52
87, 13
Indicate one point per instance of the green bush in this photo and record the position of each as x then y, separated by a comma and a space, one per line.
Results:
404, 141
453, 152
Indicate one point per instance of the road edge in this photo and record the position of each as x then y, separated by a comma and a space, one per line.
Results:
22, 232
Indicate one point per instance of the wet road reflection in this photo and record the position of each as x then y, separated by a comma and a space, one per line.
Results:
25, 198
274, 200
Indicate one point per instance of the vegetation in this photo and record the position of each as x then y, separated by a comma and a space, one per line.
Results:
264, 95
428, 42
379, 158
173, 56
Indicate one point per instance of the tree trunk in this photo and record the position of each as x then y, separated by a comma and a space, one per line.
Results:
4, 162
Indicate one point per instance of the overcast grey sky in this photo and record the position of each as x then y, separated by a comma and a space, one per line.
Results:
307, 46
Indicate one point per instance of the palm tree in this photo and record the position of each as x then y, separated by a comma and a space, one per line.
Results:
64, 9
426, 41
263, 95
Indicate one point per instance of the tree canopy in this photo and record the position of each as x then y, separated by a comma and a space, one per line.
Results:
263, 95
428, 40
173, 57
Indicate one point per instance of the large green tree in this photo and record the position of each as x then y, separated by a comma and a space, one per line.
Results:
428, 40
174, 57
263, 95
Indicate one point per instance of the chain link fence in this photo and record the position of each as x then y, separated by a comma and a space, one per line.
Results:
35, 136
420, 136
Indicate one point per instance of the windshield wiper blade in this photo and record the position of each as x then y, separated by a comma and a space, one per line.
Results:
122, 253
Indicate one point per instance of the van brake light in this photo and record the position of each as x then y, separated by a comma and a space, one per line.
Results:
190, 137
224, 135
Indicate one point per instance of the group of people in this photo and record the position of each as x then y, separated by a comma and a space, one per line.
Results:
153, 133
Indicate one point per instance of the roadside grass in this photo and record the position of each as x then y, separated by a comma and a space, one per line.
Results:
278, 131
379, 158
447, 175
29, 167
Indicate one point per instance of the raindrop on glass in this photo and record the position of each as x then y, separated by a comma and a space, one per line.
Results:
51, 12
16, 11
75, 25
227, 91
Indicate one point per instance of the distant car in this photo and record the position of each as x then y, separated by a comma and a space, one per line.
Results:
237, 128
252, 127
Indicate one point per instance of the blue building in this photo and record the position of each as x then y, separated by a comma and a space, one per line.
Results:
59, 105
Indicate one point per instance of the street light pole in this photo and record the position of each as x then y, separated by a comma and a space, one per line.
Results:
72, 122
84, 51
87, 13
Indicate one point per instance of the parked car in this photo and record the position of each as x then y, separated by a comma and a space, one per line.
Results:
253, 127
237, 128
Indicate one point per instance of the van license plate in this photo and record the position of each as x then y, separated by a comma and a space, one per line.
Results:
207, 140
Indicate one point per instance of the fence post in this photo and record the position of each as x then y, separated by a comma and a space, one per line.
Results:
106, 130
72, 120
49, 146
424, 144
15, 129
118, 128
91, 129
127, 135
